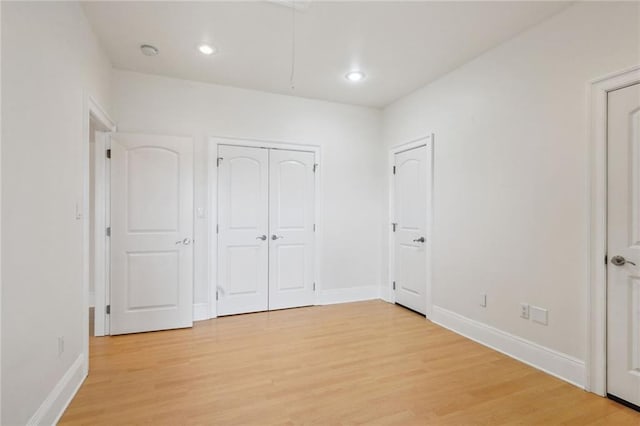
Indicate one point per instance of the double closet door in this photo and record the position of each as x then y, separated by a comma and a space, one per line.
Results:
266, 211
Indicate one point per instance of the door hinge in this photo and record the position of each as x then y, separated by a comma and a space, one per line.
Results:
314, 286
108, 231
605, 259
216, 294
394, 225
315, 167
109, 153
394, 285
108, 309
219, 161
314, 227
394, 170
217, 229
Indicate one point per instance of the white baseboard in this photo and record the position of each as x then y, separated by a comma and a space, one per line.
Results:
59, 398
346, 295
386, 294
200, 311
557, 364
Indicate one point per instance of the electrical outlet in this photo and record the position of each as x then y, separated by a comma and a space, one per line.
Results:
483, 300
60, 345
524, 310
539, 315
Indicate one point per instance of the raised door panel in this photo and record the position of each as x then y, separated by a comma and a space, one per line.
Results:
153, 190
151, 231
410, 211
152, 280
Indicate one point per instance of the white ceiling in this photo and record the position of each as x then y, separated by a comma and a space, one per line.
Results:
401, 46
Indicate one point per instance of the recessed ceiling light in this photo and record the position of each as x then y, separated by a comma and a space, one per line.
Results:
149, 50
206, 49
355, 76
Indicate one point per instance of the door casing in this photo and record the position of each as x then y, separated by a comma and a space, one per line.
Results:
93, 111
427, 141
213, 206
596, 357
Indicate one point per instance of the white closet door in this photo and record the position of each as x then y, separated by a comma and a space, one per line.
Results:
151, 231
411, 223
291, 219
623, 269
243, 245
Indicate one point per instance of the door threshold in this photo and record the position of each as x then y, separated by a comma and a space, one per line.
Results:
623, 402
412, 310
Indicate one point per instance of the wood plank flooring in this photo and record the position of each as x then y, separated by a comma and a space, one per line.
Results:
360, 363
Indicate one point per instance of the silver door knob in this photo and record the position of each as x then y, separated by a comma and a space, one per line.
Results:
262, 237
620, 261
185, 241
419, 240
276, 237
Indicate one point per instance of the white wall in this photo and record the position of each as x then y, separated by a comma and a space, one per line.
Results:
511, 157
50, 61
352, 158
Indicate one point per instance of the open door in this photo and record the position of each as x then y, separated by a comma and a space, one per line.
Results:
623, 245
151, 233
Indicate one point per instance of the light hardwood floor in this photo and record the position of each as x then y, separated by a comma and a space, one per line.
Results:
359, 363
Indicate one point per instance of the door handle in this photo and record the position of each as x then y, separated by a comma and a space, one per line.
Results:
419, 240
185, 241
276, 237
620, 261
262, 237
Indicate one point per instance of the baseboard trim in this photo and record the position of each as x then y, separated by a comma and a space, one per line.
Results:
60, 397
386, 295
347, 295
560, 365
200, 311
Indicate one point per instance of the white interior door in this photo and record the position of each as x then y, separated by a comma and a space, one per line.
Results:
151, 231
623, 276
410, 211
291, 227
243, 228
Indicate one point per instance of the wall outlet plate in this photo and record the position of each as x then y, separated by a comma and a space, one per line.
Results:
524, 310
539, 315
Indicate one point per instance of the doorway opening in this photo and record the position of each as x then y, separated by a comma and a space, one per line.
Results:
97, 125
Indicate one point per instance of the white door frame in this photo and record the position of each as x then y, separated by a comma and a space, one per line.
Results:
427, 141
101, 244
212, 168
92, 111
596, 359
